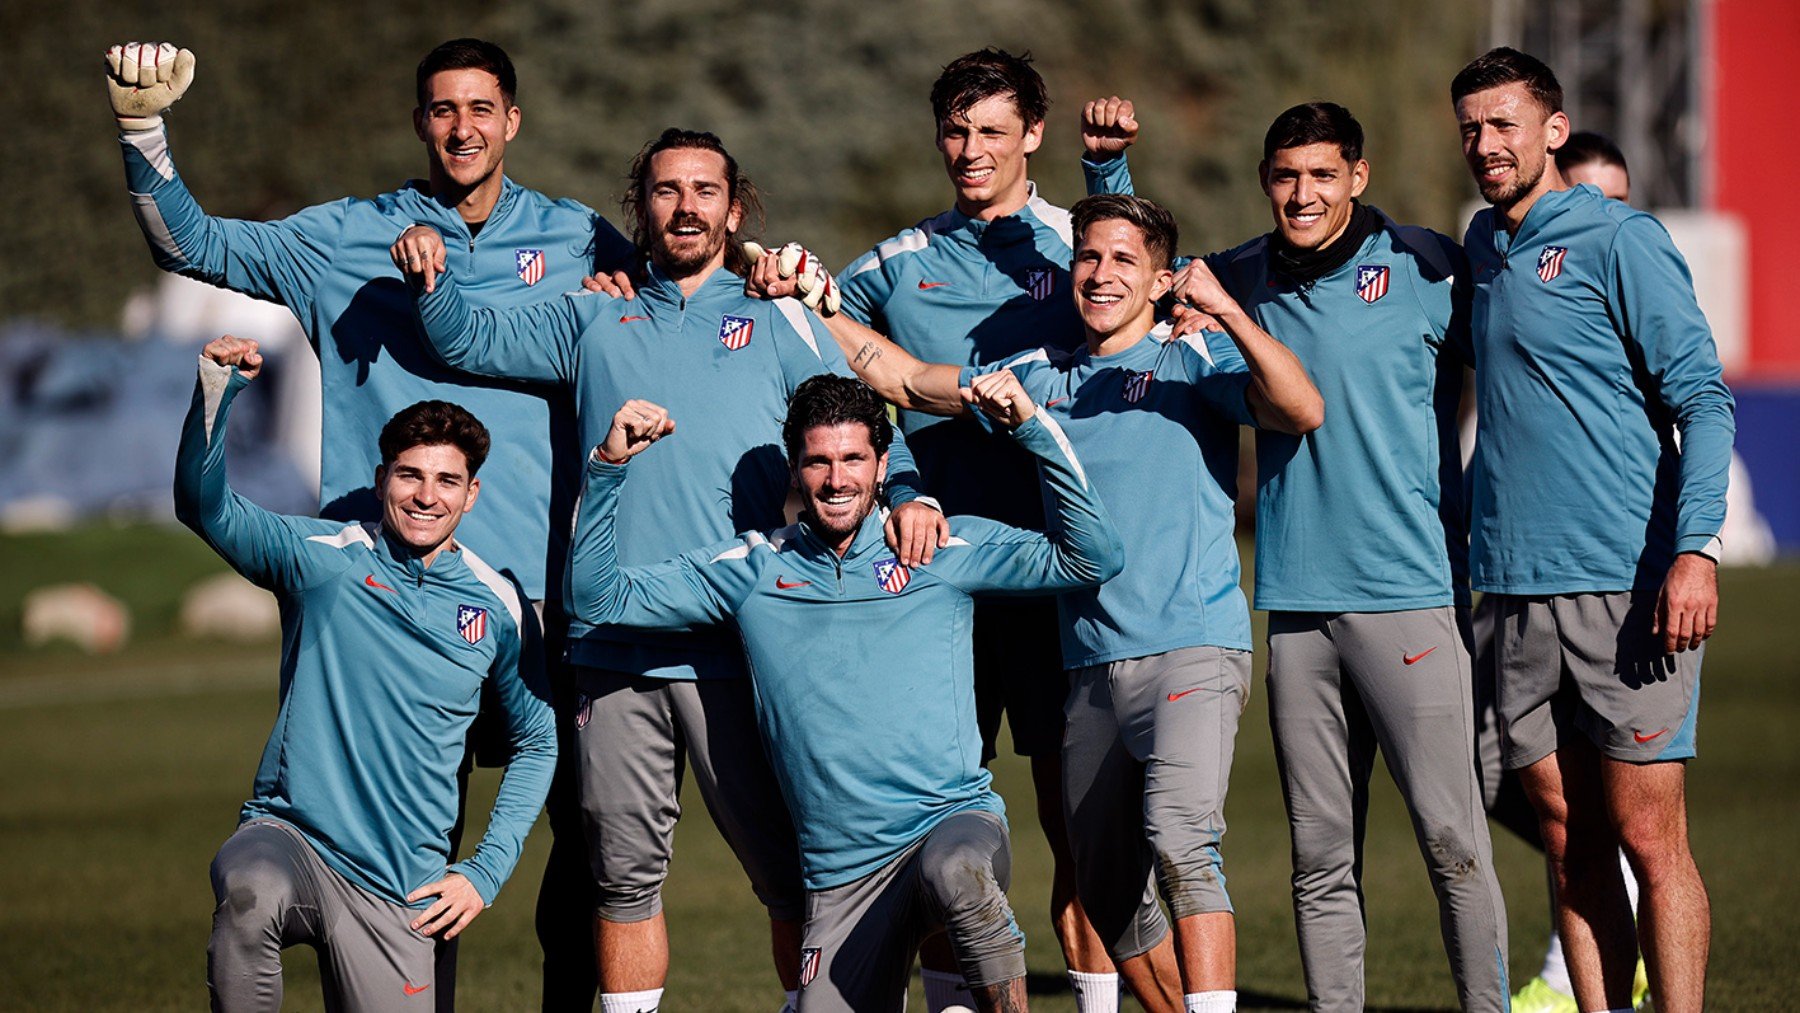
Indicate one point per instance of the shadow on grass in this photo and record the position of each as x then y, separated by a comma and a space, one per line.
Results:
1048, 983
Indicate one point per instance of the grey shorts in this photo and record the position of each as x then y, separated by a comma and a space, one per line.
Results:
1019, 671
274, 891
637, 736
857, 948
1589, 663
1146, 765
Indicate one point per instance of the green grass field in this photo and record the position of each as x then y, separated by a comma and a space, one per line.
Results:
122, 775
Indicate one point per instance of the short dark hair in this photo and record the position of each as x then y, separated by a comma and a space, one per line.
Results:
1315, 123
431, 424
828, 400
743, 193
970, 78
1161, 237
1504, 65
469, 54
1584, 146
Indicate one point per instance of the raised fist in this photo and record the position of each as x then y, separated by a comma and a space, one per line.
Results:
1108, 127
145, 78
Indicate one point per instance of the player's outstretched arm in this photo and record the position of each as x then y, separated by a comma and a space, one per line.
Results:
1281, 396
265, 547
279, 261
894, 373
1081, 547
692, 590
535, 342
1108, 127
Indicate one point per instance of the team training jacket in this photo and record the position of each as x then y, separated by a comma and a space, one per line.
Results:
1156, 427
723, 364
329, 264
382, 666
862, 669
958, 290
1367, 512
1591, 358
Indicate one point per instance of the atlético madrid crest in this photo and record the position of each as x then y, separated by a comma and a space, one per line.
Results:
1550, 262
530, 265
471, 623
1371, 281
1040, 282
892, 577
809, 965
1137, 385
734, 332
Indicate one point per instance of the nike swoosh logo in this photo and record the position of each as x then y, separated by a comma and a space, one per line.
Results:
1053, 404
627, 320
788, 585
1176, 696
412, 989
372, 582
924, 285
1411, 658
1642, 738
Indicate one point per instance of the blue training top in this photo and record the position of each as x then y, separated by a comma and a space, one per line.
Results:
1156, 426
382, 666
1591, 358
329, 264
863, 669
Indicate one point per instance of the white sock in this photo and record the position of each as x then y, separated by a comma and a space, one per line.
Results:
1556, 969
631, 1002
1095, 993
944, 990
793, 1001
1631, 886
1223, 1001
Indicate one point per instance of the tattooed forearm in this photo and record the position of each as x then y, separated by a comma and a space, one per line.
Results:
867, 354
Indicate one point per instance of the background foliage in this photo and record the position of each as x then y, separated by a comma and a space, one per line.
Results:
823, 102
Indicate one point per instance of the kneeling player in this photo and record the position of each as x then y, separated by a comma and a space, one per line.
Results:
390, 632
863, 675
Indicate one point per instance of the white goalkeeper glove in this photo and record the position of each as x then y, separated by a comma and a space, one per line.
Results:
145, 78
818, 289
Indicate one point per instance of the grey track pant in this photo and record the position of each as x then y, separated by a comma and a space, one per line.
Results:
1342, 685
274, 891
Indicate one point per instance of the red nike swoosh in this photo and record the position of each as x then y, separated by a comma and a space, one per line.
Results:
1410, 658
1642, 738
1176, 696
1053, 404
372, 582
923, 285
786, 585
627, 320
412, 989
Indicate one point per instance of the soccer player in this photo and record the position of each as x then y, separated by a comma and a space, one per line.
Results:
692, 340
1160, 654
1591, 158
1368, 641
862, 667
330, 265
974, 285
391, 630
1599, 490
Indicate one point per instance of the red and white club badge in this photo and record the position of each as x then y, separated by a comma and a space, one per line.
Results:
734, 332
471, 623
1550, 262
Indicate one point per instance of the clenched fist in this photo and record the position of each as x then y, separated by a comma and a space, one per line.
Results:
145, 78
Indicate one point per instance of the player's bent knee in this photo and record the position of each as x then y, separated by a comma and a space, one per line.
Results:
1193, 883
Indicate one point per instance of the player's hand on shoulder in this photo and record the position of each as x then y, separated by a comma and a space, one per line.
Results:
457, 904
636, 425
1187, 320
1108, 126
915, 531
145, 78
616, 284
1001, 397
239, 352
419, 254
791, 271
